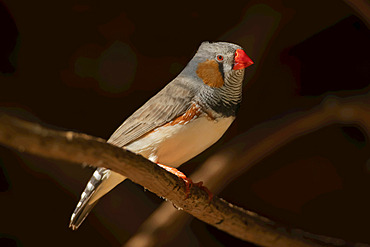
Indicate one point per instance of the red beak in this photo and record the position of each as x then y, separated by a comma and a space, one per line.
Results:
241, 60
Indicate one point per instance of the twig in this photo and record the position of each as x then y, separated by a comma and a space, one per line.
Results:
80, 148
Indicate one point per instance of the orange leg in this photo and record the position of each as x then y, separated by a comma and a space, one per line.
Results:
188, 182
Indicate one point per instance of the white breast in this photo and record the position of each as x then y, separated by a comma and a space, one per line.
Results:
174, 145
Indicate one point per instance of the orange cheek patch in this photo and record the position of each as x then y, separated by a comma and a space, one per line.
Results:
209, 72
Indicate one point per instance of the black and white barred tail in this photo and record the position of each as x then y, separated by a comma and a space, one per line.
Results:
102, 181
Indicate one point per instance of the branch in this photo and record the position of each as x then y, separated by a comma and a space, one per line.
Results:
257, 143
80, 148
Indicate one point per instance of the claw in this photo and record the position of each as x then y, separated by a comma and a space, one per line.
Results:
188, 182
204, 188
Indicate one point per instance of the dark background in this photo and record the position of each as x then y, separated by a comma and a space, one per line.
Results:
87, 66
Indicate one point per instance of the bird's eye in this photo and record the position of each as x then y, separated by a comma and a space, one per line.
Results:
220, 58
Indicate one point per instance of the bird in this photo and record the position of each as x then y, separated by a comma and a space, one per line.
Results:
187, 116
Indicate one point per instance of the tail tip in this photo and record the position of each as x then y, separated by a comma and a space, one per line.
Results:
72, 224
73, 227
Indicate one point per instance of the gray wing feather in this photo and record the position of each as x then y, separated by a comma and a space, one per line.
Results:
171, 102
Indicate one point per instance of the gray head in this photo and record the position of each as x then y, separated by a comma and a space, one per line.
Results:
219, 71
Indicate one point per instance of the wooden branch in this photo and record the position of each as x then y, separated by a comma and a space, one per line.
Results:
257, 143
80, 148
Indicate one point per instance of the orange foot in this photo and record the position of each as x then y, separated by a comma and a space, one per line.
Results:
188, 182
